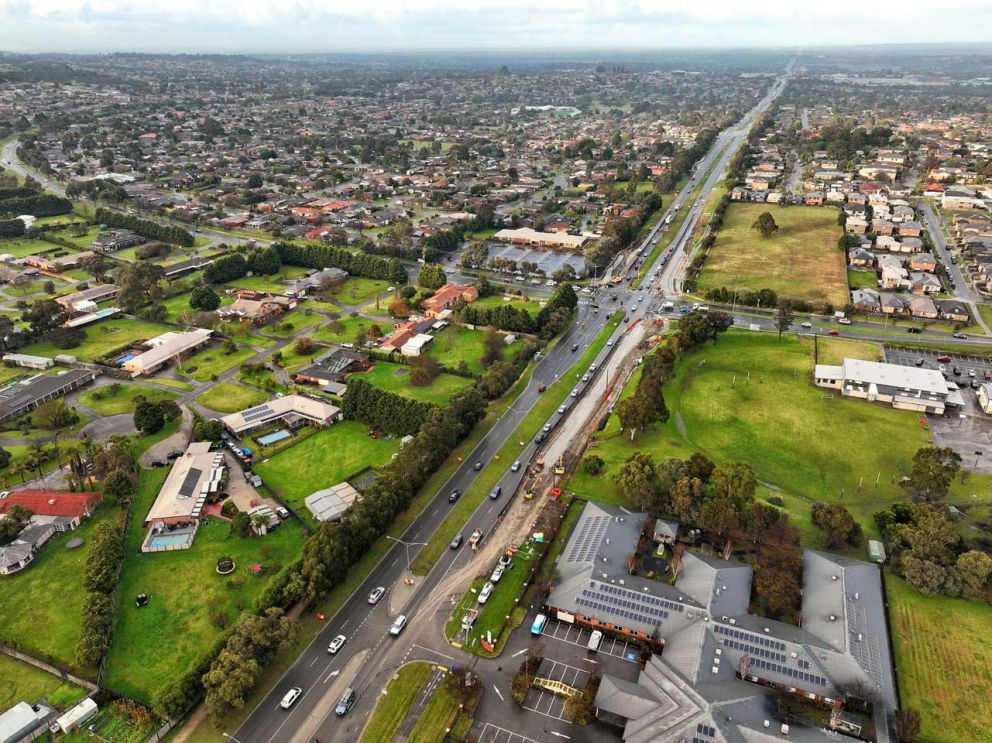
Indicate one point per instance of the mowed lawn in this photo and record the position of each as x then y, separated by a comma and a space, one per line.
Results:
102, 338
456, 344
346, 329
754, 400
833, 351
943, 650
800, 260
106, 402
323, 460
41, 607
214, 360
228, 397
396, 378
159, 642
292, 323
25, 683
357, 290
275, 283
498, 300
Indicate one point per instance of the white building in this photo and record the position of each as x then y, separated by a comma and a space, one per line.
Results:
904, 387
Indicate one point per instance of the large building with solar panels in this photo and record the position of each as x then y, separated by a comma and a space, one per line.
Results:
292, 411
714, 654
194, 476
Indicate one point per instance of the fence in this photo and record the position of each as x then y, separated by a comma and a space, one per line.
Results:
49, 668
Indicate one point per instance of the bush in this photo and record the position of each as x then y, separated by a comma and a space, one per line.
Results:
593, 464
777, 500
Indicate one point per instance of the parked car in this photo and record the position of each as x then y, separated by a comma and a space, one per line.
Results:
971, 373
346, 702
585, 377
398, 624
454, 495
575, 392
290, 697
919, 362
497, 574
457, 541
486, 591
575, 347
806, 325
595, 639
336, 644
943, 358
941, 368
542, 388
987, 374
561, 410
505, 559
376, 594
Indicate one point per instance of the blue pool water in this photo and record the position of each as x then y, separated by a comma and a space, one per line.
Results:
271, 438
125, 357
169, 540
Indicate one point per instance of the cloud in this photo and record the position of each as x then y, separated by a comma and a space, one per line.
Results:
346, 25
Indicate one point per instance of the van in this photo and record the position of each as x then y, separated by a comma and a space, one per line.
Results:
398, 624
538, 626
346, 702
594, 640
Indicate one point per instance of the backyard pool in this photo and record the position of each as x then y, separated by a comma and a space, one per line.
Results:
271, 438
126, 356
178, 540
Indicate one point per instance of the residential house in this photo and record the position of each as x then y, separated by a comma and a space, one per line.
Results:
253, 311
164, 349
911, 229
25, 396
856, 225
316, 281
893, 277
923, 282
291, 411
920, 306
333, 367
860, 258
866, 300
984, 395
953, 310
116, 240
446, 297
922, 262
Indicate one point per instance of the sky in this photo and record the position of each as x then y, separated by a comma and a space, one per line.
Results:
305, 26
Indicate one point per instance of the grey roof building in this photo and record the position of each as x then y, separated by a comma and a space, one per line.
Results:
720, 665
314, 281
25, 396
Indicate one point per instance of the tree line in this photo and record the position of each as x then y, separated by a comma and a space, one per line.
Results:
260, 261
228, 673
12, 228
381, 409
145, 227
356, 264
37, 204
100, 580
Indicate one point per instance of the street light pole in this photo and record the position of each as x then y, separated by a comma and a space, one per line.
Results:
408, 545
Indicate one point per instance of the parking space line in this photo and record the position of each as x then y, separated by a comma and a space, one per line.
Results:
498, 734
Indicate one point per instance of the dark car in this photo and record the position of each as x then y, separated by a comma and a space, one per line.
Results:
454, 495
575, 347
173, 455
957, 370
542, 388
457, 541
919, 362
914, 330
496, 492
478, 466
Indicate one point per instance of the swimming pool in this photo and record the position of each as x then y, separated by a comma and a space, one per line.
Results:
125, 357
165, 541
271, 438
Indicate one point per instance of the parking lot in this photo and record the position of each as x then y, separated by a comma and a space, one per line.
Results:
579, 636
547, 703
495, 734
968, 430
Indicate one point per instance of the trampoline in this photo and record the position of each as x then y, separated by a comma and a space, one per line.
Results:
271, 438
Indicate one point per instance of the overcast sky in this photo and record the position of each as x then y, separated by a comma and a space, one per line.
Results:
400, 25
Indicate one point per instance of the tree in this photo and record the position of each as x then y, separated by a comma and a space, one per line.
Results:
779, 589
119, 487
148, 417
925, 576
5, 457
593, 464
254, 181
636, 479
16, 519
55, 414
66, 338
241, 524
492, 346
431, 276
305, 346
44, 316
783, 318
424, 370
907, 725
974, 568
634, 413
837, 524
264, 261
204, 298
933, 471
765, 224
137, 285
211, 430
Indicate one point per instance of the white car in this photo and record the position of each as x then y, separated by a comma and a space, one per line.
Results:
398, 624
585, 377
336, 644
844, 320
486, 591
592, 368
575, 392
376, 594
515, 467
609, 342
291, 696
497, 574
806, 325
561, 409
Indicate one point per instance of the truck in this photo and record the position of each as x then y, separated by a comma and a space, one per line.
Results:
474, 539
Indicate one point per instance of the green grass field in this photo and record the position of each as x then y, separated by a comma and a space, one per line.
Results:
396, 378
25, 683
437, 717
753, 400
275, 283
357, 290
157, 643
323, 460
292, 323
228, 397
102, 338
203, 365
801, 260
392, 708
835, 350
456, 344
104, 402
41, 606
862, 279
531, 305
943, 655
179, 309
350, 326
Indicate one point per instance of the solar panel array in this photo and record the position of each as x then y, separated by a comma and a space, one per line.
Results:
739, 634
754, 650
586, 542
804, 664
706, 730
865, 651
259, 411
642, 597
810, 678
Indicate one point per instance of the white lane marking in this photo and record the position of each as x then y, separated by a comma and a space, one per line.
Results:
496, 689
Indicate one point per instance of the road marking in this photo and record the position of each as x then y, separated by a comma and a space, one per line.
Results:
519, 652
496, 689
313, 661
331, 675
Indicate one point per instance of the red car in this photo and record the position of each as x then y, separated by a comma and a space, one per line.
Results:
833, 331
943, 358
542, 388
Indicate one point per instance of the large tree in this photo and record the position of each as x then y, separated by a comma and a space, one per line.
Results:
783, 318
137, 285
933, 471
431, 276
765, 224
